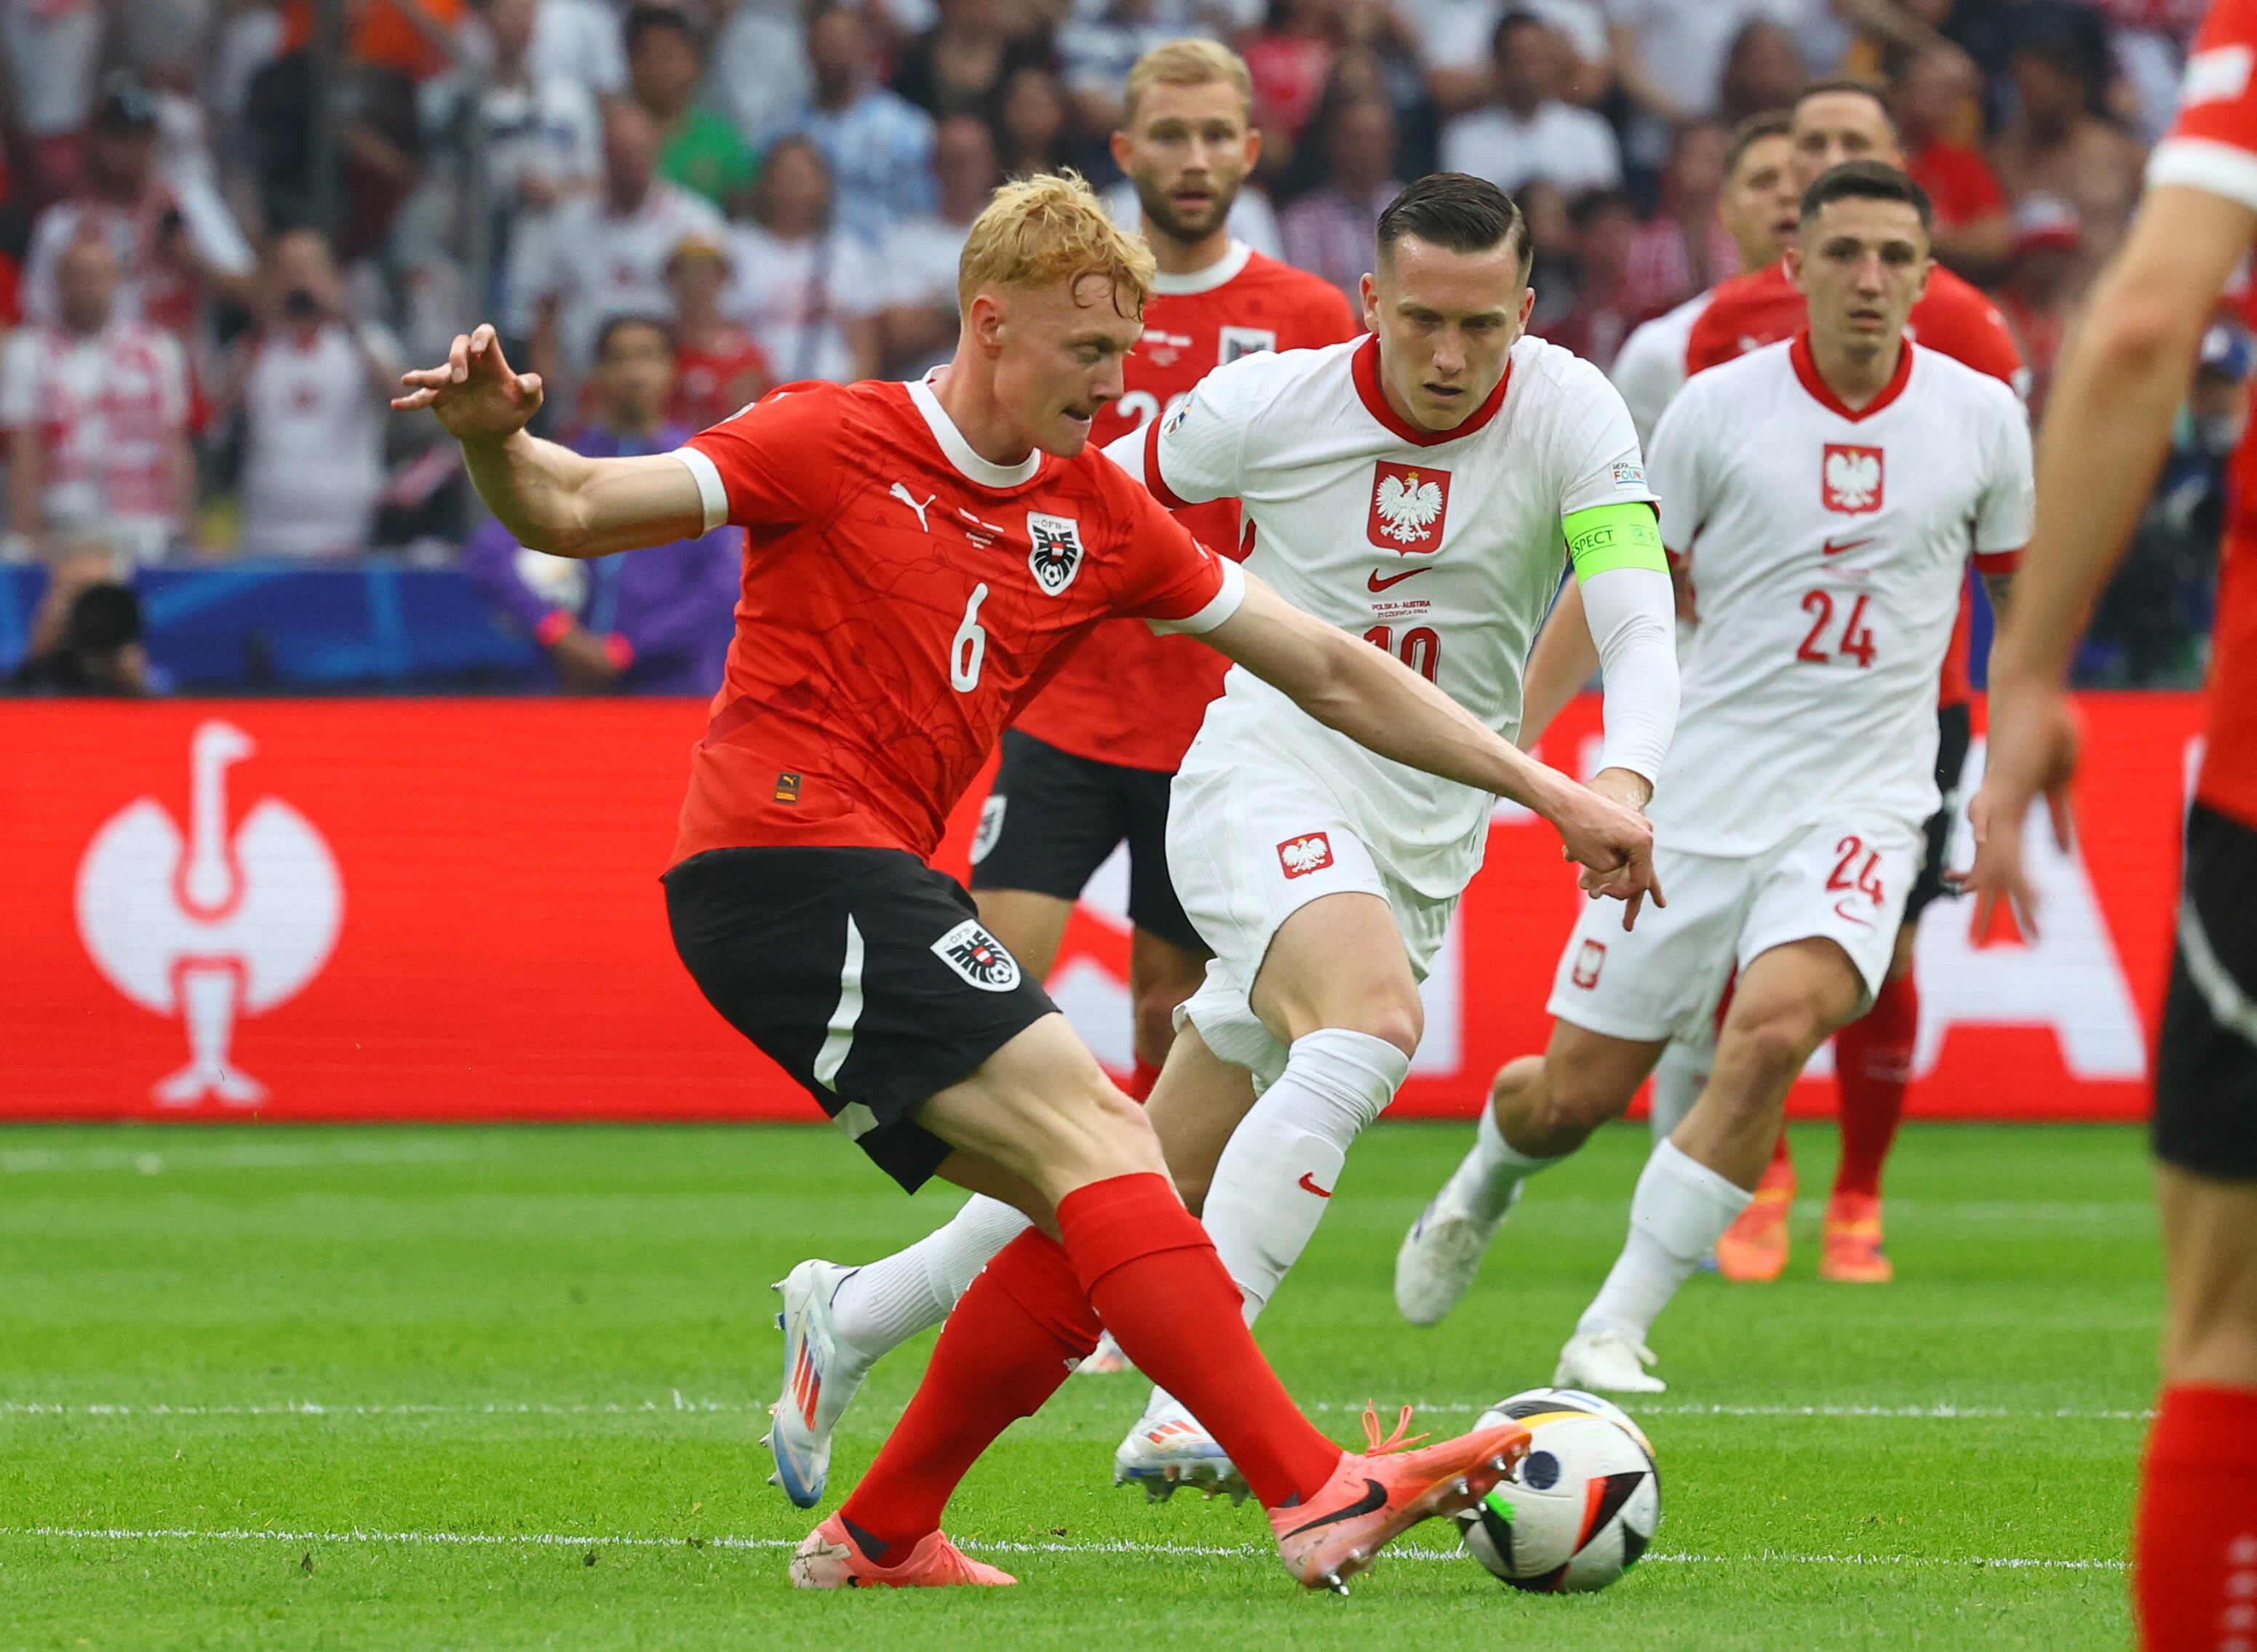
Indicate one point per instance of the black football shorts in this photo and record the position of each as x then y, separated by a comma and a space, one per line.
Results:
1053, 817
861, 972
1954, 725
2206, 1068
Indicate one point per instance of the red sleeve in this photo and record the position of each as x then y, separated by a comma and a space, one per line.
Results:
2213, 143
773, 457
1958, 319
1712, 341
1166, 573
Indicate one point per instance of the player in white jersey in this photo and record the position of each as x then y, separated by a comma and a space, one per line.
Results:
1825, 493
1758, 210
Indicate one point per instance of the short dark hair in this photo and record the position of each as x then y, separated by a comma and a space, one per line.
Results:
642, 17
1855, 85
1772, 122
614, 324
1513, 18
1867, 180
1457, 211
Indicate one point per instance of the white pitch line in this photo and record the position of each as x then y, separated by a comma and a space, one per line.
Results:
1104, 1546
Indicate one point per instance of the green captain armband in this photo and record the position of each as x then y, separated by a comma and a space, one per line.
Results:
1610, 536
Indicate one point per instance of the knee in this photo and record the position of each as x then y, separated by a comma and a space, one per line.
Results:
1546, 1111
1398, 1017
1778, 1041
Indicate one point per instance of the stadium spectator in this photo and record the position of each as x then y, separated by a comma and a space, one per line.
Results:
1551, 254
1525, 134
1762, 71
1938, 89
1455, 44
601, 254
1683, 249
808, 291
1669, 55
2038, 298
581, 40
877, 143
310, 388
699, 150
962, 64
379, 141
757, 74
1096, 50
94, 406
2054, 142
1290, 57
1031, 123
94, 650
918, 327
1605, 307
1328, 231
719, 367
173, 247
654, 621
53, 48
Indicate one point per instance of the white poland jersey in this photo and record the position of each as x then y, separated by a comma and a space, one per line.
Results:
1827, 549
1649, 369
1444, 547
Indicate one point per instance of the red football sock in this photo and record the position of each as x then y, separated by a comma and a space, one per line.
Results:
2194, 1546
1003, 1351
1152, 1272
1140, 1083
1872, 1064
1781, 1168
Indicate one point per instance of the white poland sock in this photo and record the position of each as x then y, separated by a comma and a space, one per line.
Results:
1680, 1210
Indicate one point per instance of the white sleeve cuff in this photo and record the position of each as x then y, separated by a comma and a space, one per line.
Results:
2203, 163
1220, 607
710, 493
1632, 613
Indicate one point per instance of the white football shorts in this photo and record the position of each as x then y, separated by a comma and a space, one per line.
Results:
1250, 843
1844, 881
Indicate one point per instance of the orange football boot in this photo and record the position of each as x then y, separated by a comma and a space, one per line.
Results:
1754, 1247
830, 1559
1853, 1254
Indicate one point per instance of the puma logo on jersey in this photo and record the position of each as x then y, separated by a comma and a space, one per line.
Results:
1312, 851
1379, 581
906, 498
1850, 479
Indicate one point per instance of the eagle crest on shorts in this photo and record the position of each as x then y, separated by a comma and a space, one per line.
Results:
1054, 551
1408, 504
1298, 856
978, 956
1852, 478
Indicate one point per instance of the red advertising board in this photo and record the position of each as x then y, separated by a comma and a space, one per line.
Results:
449, 909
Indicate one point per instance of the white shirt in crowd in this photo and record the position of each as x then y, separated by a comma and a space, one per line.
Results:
1351, 504
920, 258
1253, 220
111, 406
799, 297
1649, 369
758, 74
1683, 44
579, 40
596, 263
313, 424
1827, 549
547, 130
53, 47
145, 288
1461, 34
1569, 148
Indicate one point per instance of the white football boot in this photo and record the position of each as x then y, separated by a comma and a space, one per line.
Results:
1439, 1256
1609, 1361
820, 1376
1105, 1360
1168, 1449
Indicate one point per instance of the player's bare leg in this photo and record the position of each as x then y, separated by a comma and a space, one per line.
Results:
1787, 1002
1030, 926
1041, 1111
1541, 1108
1872, 1059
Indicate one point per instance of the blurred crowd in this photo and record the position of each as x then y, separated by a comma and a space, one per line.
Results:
211, 287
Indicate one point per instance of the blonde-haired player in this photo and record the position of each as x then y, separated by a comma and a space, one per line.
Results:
916, 558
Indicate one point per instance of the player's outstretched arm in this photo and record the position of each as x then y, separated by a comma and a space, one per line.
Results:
549, 498
1560, 663
2107, 420
1387, 708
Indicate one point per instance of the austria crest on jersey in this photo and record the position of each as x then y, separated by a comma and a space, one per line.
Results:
1849, 481
1410, 504
1054, 551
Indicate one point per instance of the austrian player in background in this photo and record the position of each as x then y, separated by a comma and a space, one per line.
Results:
2115, 392
918, 558
1824, 495
1086, 764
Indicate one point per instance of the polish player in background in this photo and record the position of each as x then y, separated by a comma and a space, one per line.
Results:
2115, 392
1832, 121
917, 559
1087, 764
1821, 493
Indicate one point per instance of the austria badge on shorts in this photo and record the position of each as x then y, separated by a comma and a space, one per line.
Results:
1410, 504
1849, 481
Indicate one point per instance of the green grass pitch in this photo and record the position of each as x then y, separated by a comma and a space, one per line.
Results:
397, 1388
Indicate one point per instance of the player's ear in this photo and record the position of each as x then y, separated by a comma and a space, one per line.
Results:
1119, 147
1253, 144
1368, 291
1792, 260
983, 322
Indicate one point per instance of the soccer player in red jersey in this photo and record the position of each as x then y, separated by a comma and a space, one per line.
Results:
1087, 763
2118, 384
1835, 121
918, 559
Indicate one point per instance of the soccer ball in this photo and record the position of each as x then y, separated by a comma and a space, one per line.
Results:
1581, 1507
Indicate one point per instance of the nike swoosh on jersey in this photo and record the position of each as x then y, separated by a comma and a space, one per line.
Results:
1308, 1183
1373, 1500
1378, 584
1829, 548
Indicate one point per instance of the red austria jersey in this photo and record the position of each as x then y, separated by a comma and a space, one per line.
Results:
1952, 317
2213, 147
902, 599
1129, 696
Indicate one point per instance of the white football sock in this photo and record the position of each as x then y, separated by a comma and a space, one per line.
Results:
1680, 1210
1280, 1166
1484, 1184
878, 1307
1679, 1078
